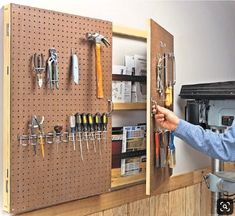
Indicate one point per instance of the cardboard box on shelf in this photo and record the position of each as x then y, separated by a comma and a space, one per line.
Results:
130, 64
138, 92
119, 69
140, 65
121, 91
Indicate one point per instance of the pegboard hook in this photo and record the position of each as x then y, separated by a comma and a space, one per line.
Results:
110, 107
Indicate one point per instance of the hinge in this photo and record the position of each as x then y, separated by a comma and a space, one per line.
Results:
7, 30
7, 70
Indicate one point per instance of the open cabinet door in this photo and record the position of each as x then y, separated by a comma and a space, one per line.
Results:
160, 79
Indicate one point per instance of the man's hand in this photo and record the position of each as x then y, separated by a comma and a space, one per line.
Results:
165, 118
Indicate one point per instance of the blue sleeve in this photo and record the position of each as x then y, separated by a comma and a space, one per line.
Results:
220, 146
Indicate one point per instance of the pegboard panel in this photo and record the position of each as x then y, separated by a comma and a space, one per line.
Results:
160, 42
61, 175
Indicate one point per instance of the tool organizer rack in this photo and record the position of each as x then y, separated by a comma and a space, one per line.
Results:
33, 182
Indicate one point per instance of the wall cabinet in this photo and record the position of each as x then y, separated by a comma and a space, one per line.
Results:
32, 181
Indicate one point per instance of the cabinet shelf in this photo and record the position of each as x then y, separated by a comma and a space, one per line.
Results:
120, 77
129, 106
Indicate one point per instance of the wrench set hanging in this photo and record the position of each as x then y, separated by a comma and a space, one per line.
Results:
165, 80
84, 129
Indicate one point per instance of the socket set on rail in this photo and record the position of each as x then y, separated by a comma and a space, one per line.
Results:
84, 128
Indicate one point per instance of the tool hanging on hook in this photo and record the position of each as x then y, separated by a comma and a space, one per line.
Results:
39, 121
39, 67
74, 67
98, 39
52, 69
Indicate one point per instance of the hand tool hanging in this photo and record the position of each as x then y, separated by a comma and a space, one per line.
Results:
52, 69
157, 134
39, 121
91, 129
98, 39
85, 130
74, 67
39, 67
98, 126
169, 83
33, 139
72, 126
163, 151
104, 119
171, 151
159, 75
58, 130
78, 118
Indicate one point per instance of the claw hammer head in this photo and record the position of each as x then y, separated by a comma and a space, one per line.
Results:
97, 38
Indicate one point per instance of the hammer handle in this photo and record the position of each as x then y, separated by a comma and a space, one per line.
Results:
99, 73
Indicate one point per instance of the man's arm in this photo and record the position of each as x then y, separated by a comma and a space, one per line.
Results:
220, 146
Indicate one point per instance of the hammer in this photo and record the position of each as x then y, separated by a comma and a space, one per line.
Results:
98, 39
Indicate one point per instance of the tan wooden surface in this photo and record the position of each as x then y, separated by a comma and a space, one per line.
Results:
117, 198
129, 106
139, 208
6, 107
177, 203
205, 200
192, 198
129, 32
119, 211
97, 214
160, 205
119, 181
156, 35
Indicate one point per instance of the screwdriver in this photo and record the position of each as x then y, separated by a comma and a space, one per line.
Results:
98, 128
79, 130
91, 129
171, 151
85, 129
72, 129
157, 148
104, 119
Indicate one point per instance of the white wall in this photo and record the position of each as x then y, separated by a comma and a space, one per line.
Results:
204, 43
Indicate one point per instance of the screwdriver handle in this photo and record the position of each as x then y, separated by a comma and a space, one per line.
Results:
72, 123
104, 119
84, 122
90, 122
78, 122
97, 122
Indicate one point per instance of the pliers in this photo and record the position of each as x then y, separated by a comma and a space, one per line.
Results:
52, 69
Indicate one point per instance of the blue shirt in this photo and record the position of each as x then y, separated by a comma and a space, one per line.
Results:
220, 146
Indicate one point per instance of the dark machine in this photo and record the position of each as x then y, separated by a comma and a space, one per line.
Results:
212, 105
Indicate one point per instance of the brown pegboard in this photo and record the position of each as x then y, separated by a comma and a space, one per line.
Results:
161, 42
61, 176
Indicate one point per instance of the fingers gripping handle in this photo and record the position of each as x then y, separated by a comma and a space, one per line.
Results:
99, 73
